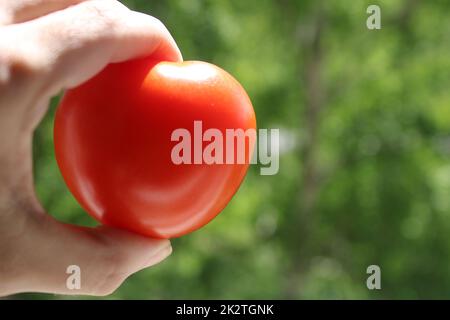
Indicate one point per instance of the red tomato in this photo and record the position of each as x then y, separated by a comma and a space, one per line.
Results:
113, 144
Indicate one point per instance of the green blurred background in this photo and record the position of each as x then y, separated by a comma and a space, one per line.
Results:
364, 172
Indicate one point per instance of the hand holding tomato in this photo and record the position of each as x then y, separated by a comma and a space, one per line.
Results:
36, 250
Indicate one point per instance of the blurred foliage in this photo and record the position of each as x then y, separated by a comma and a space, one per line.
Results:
364, 161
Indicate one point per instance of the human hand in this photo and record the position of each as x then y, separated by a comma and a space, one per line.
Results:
47, 46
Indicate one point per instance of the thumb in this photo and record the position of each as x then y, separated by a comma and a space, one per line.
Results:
103, 257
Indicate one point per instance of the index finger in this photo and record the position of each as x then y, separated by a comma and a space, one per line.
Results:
67, 47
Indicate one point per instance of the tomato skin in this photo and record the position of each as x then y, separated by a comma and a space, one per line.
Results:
113, 144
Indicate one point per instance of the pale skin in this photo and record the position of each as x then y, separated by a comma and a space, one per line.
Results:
47, 46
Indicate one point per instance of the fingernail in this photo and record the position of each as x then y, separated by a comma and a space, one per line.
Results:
160, 256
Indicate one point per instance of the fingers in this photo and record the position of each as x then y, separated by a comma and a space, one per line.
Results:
55, 255
68, 47
79, 41
14, 11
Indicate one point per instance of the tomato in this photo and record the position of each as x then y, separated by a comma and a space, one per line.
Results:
113, 144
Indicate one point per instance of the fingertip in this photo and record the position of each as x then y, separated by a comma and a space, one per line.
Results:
159, 257
167, 48
156, 245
